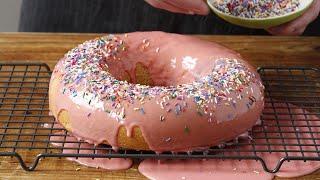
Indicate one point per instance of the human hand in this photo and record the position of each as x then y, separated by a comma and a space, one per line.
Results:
181, 6
299, 25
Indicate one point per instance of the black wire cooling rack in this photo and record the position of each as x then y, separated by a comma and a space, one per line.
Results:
285, 129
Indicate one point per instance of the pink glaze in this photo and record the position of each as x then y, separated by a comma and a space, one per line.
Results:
171, 60
202, 169
246, 169
103, 163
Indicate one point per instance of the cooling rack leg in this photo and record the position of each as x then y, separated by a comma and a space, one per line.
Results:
22, 163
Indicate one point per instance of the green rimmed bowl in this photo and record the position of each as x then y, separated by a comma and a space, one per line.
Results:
262, 23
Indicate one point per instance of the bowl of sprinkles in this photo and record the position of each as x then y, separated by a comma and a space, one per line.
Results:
259, 14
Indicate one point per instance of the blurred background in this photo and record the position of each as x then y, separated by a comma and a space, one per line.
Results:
113, 16
9, 15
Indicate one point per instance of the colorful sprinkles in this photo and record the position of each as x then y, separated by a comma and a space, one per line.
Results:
86, 75
256, 8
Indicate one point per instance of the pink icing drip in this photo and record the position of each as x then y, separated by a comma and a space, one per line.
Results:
104, 163
234, 169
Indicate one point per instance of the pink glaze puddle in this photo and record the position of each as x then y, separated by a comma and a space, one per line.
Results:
202, 169
104, 163
248, 169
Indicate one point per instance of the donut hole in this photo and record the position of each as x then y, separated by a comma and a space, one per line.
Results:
151, 75
143, 75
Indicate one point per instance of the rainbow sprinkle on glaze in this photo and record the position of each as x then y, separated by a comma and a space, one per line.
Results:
257, 8
86, 76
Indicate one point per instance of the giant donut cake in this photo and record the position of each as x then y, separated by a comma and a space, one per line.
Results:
155, 91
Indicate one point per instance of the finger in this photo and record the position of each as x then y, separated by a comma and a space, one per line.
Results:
285, 29
162, 5
288, 32
179, 7
197, 6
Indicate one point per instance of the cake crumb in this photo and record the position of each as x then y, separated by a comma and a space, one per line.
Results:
78, 169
